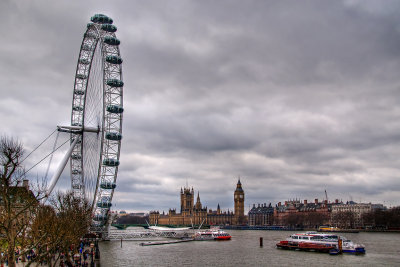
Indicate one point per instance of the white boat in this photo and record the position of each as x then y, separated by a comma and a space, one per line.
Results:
313, 241
211, 235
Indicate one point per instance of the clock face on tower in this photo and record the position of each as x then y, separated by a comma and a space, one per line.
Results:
241, 196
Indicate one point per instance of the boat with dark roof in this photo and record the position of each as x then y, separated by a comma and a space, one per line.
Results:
313, 241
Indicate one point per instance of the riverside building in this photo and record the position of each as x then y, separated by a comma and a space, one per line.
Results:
355, 211
308, 214
261, 215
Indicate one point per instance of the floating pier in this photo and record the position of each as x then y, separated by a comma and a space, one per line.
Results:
156, 243
305, 246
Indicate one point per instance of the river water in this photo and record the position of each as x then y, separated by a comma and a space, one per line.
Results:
383, 249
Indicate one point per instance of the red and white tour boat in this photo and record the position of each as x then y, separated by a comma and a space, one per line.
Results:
313, 241
212, 234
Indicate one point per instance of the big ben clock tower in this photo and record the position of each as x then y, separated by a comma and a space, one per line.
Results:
239, 203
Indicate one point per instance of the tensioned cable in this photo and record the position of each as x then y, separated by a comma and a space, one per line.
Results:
46, 156
51, 158
39, 145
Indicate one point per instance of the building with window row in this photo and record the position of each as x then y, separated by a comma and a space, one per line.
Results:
353, 212
261, 215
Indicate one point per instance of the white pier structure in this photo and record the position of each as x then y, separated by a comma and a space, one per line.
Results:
145, 234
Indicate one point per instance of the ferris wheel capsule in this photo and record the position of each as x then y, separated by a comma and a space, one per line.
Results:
87, 47
113, 136
111, 40
115, 83
100, 18
114, 59
108, 185
115, 109
108, 28
110, 162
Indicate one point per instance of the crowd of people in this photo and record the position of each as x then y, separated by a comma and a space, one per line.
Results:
84, 256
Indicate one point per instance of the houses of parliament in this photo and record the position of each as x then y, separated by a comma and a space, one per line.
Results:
195, 214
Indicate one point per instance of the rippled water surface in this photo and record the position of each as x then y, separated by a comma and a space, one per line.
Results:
383, 249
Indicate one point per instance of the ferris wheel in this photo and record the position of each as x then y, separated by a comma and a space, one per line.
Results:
96, 118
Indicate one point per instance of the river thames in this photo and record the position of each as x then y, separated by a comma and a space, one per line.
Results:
383, 249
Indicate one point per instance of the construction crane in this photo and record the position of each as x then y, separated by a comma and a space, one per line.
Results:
326, 196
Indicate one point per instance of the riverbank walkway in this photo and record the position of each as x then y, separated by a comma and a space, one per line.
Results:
88, 256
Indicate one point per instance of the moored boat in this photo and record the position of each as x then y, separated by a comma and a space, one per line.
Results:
313, 241
331, 229
211, 235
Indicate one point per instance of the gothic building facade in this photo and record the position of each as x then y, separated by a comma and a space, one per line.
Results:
195, 214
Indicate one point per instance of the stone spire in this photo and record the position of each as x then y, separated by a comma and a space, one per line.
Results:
239, 186
198, 203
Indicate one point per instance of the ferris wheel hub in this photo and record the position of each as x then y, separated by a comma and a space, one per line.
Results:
78, 129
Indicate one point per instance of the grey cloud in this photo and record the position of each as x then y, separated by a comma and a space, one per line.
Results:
286, 94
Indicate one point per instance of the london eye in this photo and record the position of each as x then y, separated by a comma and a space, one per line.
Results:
96, 119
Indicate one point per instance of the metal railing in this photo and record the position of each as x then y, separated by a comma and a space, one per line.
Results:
144, 234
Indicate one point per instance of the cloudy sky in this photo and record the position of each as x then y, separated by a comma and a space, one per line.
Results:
295, 97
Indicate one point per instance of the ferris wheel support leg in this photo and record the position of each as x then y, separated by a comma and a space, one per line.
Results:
60, 168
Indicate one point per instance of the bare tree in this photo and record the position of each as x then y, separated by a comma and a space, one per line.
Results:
383, 219
74, 215
368, 219
59, 227
344, 219
24, 221
17, 201
291, 220
315, 219
45, 234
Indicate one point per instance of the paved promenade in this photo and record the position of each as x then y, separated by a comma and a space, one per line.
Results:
86, 258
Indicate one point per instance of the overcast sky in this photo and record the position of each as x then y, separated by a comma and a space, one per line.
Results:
295, 97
